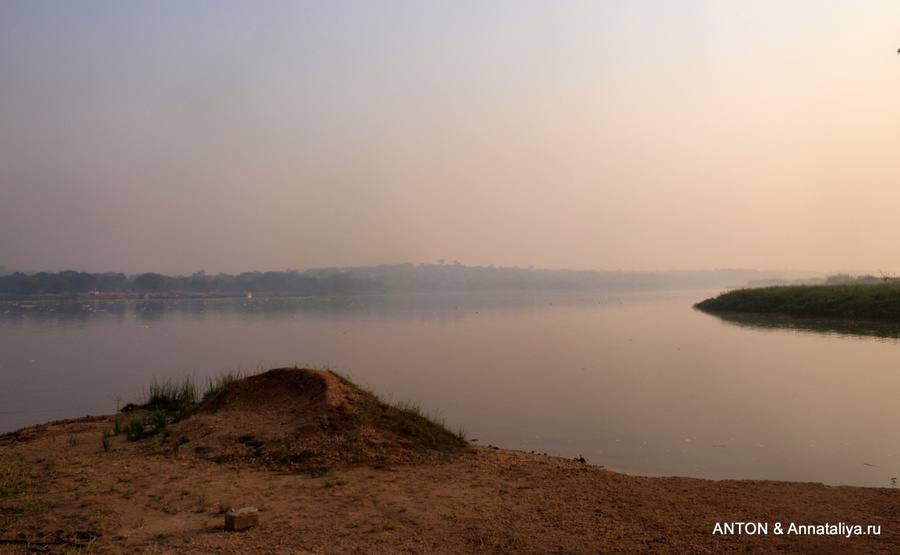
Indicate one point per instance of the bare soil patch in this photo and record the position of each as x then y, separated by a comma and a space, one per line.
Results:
333, 470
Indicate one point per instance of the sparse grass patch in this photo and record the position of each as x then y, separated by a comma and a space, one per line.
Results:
414, 423
158, 421
170, 397
202, 504
426, 430
134, 429
219, 382
170, 401
15, 478
177, 443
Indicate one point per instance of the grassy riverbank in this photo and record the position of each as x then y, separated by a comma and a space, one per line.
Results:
878, 301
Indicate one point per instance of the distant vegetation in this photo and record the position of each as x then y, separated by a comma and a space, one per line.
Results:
395, 278
842, 297
324, 282
68, 281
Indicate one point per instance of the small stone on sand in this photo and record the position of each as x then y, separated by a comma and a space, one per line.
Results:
240, 519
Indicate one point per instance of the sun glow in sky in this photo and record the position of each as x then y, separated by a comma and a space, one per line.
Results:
641, 135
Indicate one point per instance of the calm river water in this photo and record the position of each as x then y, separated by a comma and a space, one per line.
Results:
640, 383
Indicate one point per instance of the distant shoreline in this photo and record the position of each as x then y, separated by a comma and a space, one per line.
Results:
130, 296
394, 278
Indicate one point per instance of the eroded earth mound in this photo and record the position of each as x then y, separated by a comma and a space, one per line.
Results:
308, 418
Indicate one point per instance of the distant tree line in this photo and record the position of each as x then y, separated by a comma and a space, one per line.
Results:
287, 282
68, 281
336, 282
844, 279
399, 278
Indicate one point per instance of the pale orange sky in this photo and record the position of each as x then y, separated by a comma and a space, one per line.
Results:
640, 135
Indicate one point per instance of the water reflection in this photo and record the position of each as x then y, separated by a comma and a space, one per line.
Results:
636, 382
400, 308
60, 312
823, 326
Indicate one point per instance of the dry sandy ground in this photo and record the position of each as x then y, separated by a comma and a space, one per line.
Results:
60, 491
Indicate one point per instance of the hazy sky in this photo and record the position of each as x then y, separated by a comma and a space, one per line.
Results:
638, 135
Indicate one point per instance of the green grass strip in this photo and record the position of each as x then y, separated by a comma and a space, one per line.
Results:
877, 301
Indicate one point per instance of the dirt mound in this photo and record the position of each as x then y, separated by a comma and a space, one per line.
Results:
308, 418
300, 393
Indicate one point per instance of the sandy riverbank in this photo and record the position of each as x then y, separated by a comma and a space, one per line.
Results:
60, 490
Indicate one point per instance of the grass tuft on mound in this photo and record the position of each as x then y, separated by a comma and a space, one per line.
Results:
171, 401
411, 421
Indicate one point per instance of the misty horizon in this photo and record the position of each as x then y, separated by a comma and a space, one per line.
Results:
787, 271
397, 278
756, 273
169, 137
